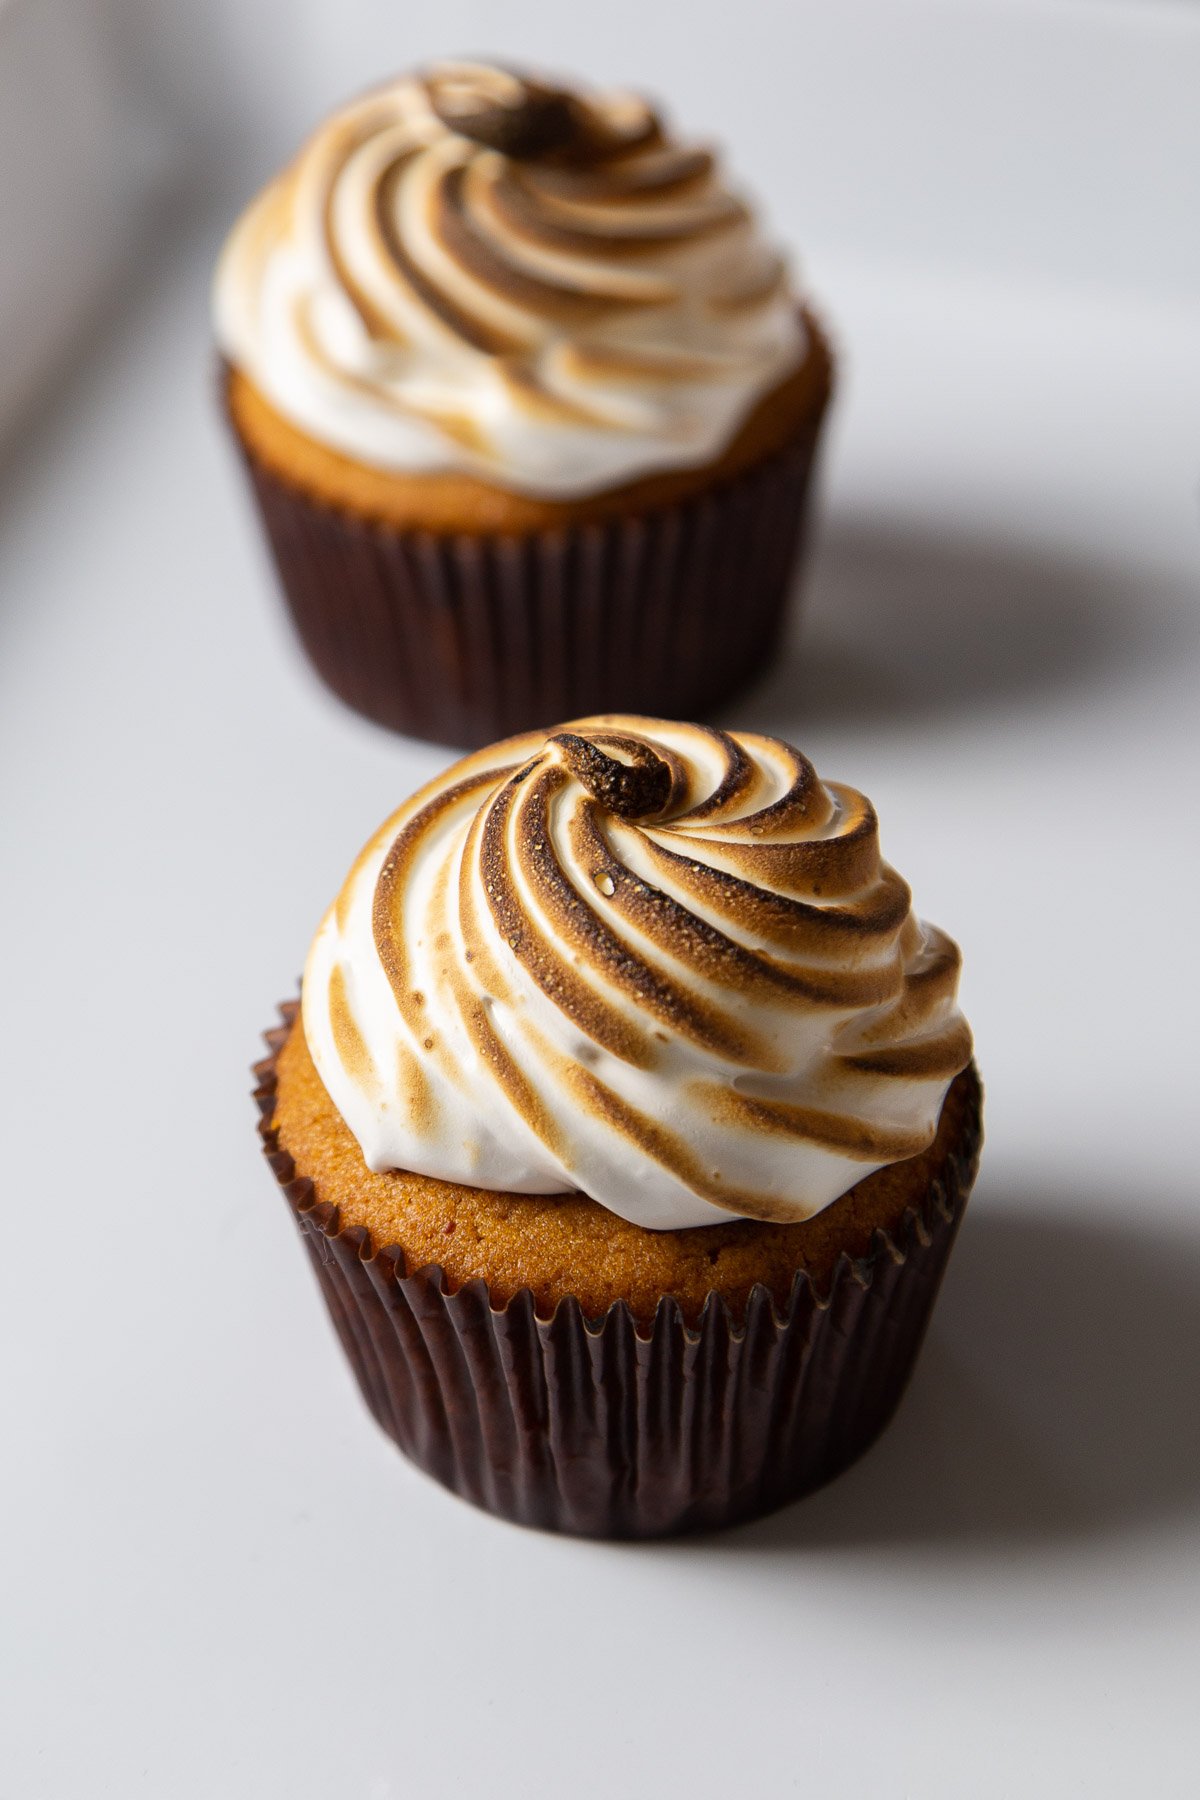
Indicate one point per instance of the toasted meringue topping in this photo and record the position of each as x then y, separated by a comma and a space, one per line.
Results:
478, 271
660, 964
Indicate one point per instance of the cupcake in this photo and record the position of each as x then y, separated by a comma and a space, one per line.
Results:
628, 1118
528, 402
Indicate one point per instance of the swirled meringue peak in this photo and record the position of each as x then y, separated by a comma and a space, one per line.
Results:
475, 271
660, 964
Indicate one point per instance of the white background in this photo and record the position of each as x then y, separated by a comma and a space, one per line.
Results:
219, 1580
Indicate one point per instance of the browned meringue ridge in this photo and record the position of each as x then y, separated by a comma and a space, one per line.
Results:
572, 182
633, 947
475, 270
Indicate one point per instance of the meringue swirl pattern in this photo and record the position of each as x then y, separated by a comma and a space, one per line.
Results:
660, 964
473, 271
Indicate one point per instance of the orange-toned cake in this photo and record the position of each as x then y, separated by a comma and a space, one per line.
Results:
559, 1245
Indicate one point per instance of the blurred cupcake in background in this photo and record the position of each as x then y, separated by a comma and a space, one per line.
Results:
529, 405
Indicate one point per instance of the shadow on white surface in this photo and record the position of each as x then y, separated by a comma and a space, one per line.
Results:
1056, 1398
900, 624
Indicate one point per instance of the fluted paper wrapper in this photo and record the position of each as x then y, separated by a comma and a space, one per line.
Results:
597, 1427
464, 639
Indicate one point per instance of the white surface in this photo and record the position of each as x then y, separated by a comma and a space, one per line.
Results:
219, 1579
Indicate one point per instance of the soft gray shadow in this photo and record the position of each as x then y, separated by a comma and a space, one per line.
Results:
899, 625
1057, 1399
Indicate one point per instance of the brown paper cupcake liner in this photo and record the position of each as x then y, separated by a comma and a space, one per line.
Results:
597, 1427
464, 639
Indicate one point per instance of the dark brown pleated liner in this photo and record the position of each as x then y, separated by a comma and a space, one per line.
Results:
465, 639
597, 1428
